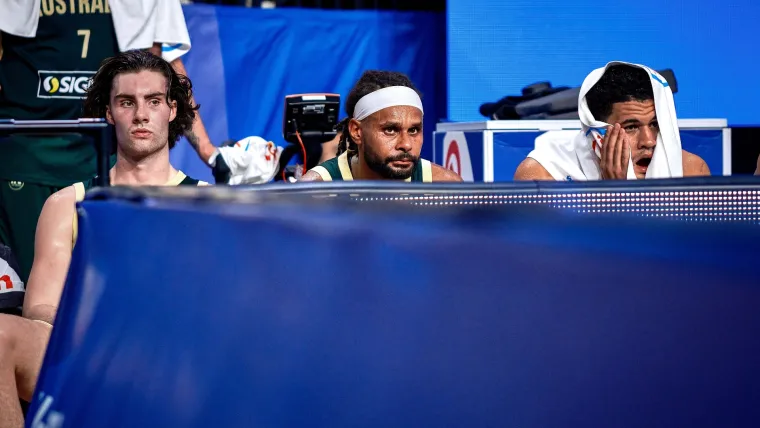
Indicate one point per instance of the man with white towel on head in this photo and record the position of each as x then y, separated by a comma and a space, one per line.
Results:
628, 131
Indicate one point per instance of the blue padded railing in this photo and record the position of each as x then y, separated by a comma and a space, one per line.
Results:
691, 199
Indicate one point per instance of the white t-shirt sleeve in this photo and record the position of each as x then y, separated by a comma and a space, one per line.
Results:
171, 30
19, 17
141, 23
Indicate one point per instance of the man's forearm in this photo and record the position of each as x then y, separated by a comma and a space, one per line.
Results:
197, 136
42, 313
199, 139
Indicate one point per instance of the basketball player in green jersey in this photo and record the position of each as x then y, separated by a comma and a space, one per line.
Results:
382, 135
44, 78
149, 105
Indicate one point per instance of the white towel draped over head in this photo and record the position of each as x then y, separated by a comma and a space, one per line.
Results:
138, 23
569, 155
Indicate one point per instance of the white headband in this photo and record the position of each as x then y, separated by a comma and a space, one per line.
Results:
384, 98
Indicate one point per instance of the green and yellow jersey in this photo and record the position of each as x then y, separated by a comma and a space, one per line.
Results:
45, 78
338, 168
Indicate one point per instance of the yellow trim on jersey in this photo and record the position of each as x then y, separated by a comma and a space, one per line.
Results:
178, 177
427, 171
79, 190
322, 171
345, 168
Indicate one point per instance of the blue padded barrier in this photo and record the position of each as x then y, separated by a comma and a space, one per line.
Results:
298, 307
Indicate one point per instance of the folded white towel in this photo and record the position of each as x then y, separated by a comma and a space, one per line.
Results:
252, 160
574, 156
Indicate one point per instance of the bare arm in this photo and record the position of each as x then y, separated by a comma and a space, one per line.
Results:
694, 166
52, 255
530, 170
197, 136
311, 176
441, 174
1, 45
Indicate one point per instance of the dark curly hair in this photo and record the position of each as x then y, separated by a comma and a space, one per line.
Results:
180, 88
370, 81
619, 83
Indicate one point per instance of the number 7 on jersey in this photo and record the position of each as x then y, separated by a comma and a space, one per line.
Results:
85, 42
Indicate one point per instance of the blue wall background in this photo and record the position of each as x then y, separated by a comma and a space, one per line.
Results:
497, 47
243, 63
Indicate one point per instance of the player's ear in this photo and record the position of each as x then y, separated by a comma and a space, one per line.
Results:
173, 107
109, 117
355, 130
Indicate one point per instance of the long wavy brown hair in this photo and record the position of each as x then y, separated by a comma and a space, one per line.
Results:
134, 61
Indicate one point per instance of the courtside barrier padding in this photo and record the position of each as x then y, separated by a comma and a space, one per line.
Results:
307, 307
694, 199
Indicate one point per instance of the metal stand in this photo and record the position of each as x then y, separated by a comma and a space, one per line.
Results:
98, 129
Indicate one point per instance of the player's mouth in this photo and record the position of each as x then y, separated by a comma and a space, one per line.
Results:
402, 163
141, 133
642, 165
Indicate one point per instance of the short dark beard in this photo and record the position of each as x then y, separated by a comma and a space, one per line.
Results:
383, 168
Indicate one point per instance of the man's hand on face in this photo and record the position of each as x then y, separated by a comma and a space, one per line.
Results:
616, 154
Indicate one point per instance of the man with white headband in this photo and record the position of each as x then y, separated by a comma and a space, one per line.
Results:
628, 131
382, 135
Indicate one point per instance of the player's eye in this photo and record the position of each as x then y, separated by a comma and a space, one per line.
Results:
155, 102
631, 128
126, 103
414, 130
390, 130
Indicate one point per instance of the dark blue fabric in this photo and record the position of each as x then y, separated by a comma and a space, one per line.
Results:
244, 61
179, 314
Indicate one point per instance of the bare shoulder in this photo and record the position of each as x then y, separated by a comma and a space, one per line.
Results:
57, 213
63, 200
529, 170
693, 165
441, 174
310, 175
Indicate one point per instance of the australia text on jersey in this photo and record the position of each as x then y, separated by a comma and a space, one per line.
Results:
63, 84
64, 7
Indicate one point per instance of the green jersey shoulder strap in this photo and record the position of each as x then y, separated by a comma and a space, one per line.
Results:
338, 168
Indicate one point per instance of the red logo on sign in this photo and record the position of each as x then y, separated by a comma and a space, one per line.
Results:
453, 160
7, 280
